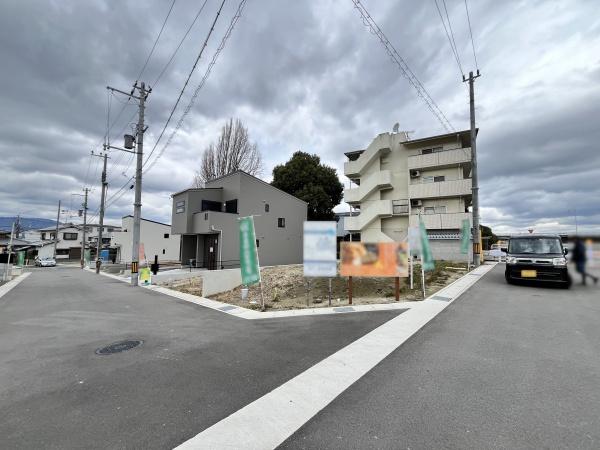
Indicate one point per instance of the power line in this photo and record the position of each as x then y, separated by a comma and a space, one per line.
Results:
456, 52
210, 31
402, 65
156, 41
456, 58
179, 45
209, 68
471, 34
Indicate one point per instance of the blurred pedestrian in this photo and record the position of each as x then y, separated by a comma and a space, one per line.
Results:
580, 258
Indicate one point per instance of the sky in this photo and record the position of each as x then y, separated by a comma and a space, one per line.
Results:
302, 76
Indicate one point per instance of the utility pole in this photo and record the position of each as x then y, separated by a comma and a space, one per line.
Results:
6, 267
56, 231
137, 203
85, 203
474, 176
101, 220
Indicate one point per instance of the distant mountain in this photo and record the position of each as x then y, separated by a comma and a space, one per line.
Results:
27, 223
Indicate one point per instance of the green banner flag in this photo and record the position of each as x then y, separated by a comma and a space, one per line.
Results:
426, 256
248, 254
465, 236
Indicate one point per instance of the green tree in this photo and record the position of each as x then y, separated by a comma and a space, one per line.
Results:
488, 237
317, 184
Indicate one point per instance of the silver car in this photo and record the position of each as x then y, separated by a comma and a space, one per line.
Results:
45, 262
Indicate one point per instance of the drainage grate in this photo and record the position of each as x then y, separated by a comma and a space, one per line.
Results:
227, 308
118, 347
441, 298
344, 309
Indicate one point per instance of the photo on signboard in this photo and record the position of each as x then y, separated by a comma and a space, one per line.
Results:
382, 259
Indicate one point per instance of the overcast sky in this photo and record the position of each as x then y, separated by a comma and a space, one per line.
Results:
302, 75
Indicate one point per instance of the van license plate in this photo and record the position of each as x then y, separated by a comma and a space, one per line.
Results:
528, 273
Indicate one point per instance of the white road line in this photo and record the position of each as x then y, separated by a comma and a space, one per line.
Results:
5, 288
270, 420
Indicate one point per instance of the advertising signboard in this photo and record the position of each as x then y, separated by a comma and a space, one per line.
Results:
248, 254
382, 259
320, 259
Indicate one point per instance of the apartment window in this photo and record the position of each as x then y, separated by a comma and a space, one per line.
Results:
427, 179
427, 151
440, 209
166, 235
70, 236
439, 178
429, 210
266, 207
180, 207
281, 222
163, 251
43, 236
399, 206
90, 239
106, 240
52, 235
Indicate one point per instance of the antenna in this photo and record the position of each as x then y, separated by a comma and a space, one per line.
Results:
396, 127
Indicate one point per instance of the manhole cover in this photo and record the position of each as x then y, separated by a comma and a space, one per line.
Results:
118, 347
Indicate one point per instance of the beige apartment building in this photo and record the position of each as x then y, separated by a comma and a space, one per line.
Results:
395, 179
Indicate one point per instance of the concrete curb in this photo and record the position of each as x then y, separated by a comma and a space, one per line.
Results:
446, 295
6, 288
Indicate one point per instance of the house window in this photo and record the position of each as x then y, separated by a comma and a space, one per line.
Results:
106, 240
163, 251
281, 222
180, 207
257, 243
70, 236
62, 251
440, 209
43, 236
110, 230
52, 235
209, 205
429, 210
266, 207
231, 206
439, 178
90, 238
166, 235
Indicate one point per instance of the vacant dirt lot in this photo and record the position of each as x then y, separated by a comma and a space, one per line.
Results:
284, 287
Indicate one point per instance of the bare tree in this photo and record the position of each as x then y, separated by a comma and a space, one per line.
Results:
233, 151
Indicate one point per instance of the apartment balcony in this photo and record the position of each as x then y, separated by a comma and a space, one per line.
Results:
375, 181
446, 158
204, 221
452, 188
447, 221
369, 212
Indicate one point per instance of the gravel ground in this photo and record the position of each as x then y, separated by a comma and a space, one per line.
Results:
284, 287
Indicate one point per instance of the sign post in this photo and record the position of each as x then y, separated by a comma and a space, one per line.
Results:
427, 263
319, 253
465, 237
249, 265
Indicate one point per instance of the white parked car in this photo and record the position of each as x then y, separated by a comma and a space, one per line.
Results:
45, 262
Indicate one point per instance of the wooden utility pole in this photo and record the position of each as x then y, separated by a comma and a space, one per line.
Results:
474, 176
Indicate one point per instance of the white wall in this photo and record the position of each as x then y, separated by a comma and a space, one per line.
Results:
152, 235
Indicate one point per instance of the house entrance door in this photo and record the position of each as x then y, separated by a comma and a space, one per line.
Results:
211, 242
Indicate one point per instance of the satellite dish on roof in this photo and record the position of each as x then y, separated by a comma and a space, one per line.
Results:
396, 127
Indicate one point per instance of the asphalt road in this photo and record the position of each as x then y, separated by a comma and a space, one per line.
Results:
503, 367
195, 366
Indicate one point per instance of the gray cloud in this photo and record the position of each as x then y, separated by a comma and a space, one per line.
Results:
303, 75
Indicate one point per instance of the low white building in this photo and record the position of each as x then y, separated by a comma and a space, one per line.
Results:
69, 239
155, 237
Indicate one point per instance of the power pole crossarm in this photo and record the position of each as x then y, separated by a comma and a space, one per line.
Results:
474, 176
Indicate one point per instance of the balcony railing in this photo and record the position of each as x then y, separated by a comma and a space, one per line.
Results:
444, 158
442, 221
451, 188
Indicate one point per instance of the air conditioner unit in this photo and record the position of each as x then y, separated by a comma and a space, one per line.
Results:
415, 174
416, 203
